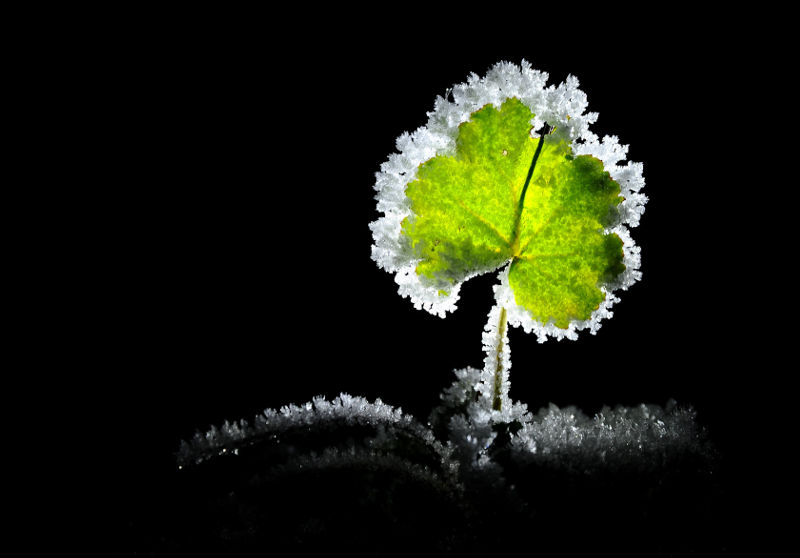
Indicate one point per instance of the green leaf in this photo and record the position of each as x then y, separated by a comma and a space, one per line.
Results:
505, 196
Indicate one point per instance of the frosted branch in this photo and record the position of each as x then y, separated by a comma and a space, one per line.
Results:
386, 424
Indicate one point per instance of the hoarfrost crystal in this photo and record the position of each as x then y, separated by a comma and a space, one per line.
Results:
386, 422
622, 437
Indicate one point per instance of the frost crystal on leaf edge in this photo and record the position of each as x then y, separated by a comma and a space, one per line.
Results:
563, 108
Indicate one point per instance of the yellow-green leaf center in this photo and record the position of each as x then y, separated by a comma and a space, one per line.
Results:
505, 196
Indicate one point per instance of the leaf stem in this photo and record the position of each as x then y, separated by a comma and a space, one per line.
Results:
497, 401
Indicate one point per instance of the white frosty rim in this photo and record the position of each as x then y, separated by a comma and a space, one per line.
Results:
563, 108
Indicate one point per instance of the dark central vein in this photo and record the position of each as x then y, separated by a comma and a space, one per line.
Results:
518, 215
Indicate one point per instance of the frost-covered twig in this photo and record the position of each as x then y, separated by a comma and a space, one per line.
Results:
386, 427
354, 459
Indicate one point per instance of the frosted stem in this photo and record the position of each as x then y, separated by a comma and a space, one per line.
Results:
493, 384
497, 402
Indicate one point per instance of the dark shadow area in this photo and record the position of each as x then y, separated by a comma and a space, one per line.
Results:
328, 485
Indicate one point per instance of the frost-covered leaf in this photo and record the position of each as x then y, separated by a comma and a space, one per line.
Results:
479, 189
505, 196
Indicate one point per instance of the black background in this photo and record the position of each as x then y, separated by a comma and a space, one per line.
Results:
233, 251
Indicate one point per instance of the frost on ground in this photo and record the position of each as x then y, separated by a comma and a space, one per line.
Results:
329, 427
471, 481
643, 438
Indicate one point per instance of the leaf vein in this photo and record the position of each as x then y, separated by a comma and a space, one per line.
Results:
482, 220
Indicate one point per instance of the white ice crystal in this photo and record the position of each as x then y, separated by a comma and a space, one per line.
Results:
387, 424
641, 437
470, 427
563, 107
